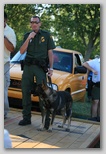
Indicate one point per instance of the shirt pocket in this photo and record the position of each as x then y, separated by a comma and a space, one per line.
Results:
31, 46
43, 46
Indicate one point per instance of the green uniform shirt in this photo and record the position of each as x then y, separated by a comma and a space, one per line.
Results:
38, 46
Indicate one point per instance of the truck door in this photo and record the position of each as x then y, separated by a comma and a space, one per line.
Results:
79, 79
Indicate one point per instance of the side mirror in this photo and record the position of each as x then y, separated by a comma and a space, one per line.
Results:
80, 69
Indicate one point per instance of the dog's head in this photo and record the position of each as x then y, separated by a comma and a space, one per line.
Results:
46, 92
41, 89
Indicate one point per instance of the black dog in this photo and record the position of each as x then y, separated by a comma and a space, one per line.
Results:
55, 101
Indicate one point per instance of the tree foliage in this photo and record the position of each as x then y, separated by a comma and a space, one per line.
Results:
18, 18
73, 26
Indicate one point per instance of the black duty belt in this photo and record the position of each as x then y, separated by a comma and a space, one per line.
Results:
43, 63
31, 61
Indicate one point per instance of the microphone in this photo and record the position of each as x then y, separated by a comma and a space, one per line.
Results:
30, 40
34, 36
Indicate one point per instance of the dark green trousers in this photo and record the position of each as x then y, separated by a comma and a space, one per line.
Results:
29, 73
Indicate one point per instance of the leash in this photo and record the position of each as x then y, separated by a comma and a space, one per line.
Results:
50, 81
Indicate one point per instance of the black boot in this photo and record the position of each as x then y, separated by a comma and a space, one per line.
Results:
24, 122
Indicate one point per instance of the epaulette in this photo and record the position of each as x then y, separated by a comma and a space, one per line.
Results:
45, 31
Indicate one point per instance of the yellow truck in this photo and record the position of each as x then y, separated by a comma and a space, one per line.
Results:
68, 75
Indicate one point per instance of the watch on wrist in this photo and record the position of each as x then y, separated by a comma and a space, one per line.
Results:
51, 69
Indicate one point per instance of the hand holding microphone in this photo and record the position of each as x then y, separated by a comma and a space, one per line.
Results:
31, 36
28, 40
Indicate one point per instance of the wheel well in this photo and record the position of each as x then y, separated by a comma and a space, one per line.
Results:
68, 90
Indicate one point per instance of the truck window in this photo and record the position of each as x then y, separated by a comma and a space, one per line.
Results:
77, 60
63, 61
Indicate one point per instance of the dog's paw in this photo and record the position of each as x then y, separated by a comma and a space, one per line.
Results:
60, 126
41, 129
67, 129
49, 130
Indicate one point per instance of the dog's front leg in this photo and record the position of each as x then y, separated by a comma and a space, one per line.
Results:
51, 123
50, 128
43, 121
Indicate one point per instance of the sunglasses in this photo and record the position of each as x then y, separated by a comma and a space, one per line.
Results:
34, 22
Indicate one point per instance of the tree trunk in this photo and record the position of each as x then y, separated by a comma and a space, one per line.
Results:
89, 51
87, 55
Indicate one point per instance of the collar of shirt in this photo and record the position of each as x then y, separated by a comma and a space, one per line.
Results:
6, 27
98, 59
39, 32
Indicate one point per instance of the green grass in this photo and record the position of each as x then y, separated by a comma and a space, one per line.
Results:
81, 109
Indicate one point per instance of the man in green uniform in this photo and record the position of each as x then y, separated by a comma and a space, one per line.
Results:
39, 45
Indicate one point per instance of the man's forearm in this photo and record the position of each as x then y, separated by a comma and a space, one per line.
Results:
8, 44
88, 67
24, 46
50, 55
